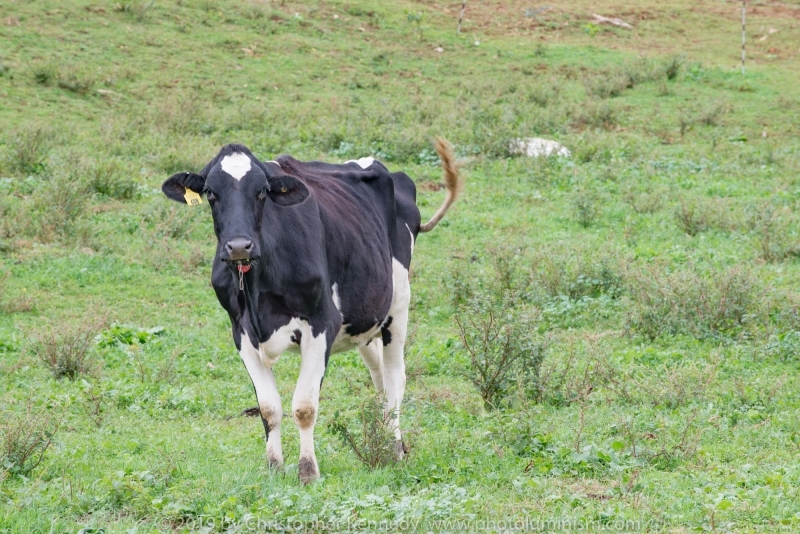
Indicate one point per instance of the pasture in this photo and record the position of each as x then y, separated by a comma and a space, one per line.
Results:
651, 278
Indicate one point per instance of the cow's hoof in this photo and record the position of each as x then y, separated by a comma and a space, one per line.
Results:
275, 463
307, 470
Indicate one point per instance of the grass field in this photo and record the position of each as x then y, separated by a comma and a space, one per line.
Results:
655, 269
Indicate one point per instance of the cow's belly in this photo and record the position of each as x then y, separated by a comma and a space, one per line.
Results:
285, 338
345, 342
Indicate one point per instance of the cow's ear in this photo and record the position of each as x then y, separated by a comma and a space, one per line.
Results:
176, 185
287, 190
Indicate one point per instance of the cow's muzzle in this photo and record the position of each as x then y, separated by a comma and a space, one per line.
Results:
239, 249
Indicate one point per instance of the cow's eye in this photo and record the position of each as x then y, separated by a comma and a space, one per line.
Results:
210, 195
262, 194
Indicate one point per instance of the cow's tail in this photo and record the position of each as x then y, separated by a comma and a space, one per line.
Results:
452, 181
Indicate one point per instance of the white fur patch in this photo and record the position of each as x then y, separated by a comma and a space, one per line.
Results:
280, 341
363, 162
237, 165
402, 293
335, 295
412, 239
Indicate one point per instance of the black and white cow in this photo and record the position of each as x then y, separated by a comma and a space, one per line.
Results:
313, 258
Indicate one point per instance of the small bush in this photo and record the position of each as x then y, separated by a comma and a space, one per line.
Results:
58, 205
24, 439
543, 94
506, 260
775, 235
606, 86
65, 351
45, 75
75, 79
688, 302
595, 115
29, 149
669, 385
673, 66
586, 207
503, 347
139, 10
573, 273
711, 115
691, 217
649, 200
459, 283
109, 177
375, 445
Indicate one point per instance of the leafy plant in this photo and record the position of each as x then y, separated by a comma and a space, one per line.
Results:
25, 438
503, 348
586, 208
65, 350
689, 302
691, 217
124, 335
375, 444
29, 148
775, 235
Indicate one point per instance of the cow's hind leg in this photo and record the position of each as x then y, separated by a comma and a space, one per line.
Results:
394, 340
314, 352
372, 354
269, 400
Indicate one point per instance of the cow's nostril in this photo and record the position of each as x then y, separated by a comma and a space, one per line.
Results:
239, 248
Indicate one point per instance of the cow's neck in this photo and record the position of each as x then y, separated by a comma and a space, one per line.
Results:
250, 288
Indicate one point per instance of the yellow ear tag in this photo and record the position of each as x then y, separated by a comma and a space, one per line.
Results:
192, 198
283, 189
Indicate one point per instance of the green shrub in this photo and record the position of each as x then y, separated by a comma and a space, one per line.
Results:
691, 216
504, 349
586, 207
78, 80
29, 148
65, 350
775, 232
573, 273
111, 178
718, 304
374, 444
24, 439
58, 205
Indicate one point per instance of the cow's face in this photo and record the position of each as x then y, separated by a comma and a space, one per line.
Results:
238, 188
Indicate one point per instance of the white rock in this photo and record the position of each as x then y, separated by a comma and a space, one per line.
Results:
534, 147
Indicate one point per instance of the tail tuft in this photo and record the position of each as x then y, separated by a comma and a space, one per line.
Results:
452, 181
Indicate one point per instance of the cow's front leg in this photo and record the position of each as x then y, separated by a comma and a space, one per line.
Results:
269, 400
314, 351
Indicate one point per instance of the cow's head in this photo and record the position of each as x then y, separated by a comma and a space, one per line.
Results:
238, 188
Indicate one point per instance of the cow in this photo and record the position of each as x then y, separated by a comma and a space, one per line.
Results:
313, 258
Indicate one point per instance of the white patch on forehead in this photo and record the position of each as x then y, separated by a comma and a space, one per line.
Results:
237, 165
363, 162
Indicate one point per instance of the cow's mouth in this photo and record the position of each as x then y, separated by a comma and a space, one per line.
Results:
245, 264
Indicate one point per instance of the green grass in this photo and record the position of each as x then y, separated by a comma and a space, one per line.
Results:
671, 398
